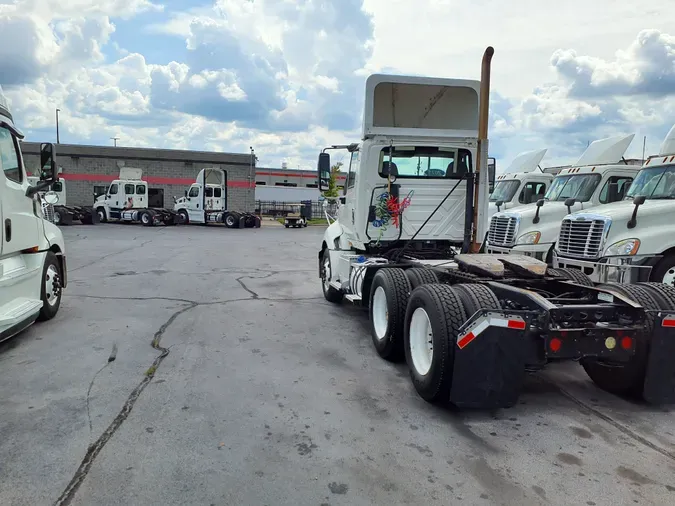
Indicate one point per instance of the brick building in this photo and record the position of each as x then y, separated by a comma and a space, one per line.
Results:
88, 170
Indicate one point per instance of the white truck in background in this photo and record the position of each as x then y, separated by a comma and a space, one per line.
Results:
206, 202
126, 200
61, 213
523, 182
597, 178
631, 240
33, 269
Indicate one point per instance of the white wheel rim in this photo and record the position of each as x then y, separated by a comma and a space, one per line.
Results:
421, 342
101, 215
326, 272
144, 218
51, 285
669, 276
57, 217
380, 313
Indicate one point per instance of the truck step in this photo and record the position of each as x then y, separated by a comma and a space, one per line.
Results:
18, 310
353, 298
336, 285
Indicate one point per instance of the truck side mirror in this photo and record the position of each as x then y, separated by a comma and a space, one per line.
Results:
323, 170
499, 204
637, 202
539, 203
569, 203
48, 170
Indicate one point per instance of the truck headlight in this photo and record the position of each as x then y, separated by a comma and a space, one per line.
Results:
627, 247
529, 238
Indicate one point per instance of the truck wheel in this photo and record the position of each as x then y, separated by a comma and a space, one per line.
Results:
433, 318
57, 217
574, 275
146, 219
51, 288
665, 294
330, 293
419, 276
389, 294
626, 379
183, 217
476, 297
102, 218
230, 220
664, 271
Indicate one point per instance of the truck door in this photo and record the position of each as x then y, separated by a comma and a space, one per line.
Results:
346, 211
19, 226
129, 196
141, 199
195, 210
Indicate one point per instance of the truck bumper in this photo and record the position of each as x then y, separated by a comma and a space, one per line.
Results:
626, 269
538, 251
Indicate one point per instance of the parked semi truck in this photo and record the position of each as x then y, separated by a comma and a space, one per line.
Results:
32, 251
126, 200
631, 240
522, 183
470, 325
598, 177
61, 213
206, 202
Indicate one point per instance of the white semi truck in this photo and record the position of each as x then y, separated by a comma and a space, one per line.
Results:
599, 177
469, 325
522, 183
206, 202
126, 200
631, 240
32, 251
61, 213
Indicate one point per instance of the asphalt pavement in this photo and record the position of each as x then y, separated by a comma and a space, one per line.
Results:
201, 366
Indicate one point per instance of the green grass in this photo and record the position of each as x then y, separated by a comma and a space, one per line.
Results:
313, 221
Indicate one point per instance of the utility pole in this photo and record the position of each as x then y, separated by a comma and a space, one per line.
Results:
57, 125
115, 139
644, 148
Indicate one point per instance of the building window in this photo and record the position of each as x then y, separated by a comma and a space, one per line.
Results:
260, 183
312, 185
286, 184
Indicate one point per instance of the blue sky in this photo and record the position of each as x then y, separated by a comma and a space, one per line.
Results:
286, 76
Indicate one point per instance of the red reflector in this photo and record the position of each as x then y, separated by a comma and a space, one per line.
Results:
668, 322
626, 343
465, 340
555, 344
516, 324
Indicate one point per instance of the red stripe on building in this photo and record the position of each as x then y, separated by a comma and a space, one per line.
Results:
277, 174
149, 179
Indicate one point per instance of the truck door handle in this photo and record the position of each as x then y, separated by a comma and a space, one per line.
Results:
8, 230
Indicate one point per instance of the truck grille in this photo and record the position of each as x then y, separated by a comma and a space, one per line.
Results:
581, 238
503, 230
48, 211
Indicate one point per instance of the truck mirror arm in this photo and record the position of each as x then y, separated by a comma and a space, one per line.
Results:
499, 204
540, 203
637, 201
41, 185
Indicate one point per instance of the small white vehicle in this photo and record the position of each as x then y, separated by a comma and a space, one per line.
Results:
469, 325
597, 178
631, 240
126, 200
32, 250
297, 217
522, 183
61, 213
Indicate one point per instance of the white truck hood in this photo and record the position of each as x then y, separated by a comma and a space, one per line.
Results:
621, 212
550, 216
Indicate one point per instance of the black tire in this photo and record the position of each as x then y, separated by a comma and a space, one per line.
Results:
666, 294
286, 226
666, 266
419, 276
627, 379
50, 268
231, 220
329, 293
574, 275
390, 287
57, 217
183, 216
446, 315
146, 218
102, 218
476, 297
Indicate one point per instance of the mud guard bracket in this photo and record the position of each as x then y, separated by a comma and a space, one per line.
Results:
659, 385
489, 359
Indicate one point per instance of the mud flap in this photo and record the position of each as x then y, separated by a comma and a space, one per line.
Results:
490, 357
659, 386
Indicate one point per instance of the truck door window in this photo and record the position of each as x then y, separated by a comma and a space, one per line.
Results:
208, 192
10, 159
129, 189
140, 189
57, 187
113, 189
614, 189
354, 163
194, 191
532, 192
423, 162
217, 192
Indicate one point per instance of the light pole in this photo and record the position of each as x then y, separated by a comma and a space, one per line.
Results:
115, 140
57, 125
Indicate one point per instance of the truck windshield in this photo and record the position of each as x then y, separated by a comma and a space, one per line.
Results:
579, 186
425, 162
654, 183
504, 190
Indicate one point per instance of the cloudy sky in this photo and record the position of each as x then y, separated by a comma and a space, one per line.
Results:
286, 76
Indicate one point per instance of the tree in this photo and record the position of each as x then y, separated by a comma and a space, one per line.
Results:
332, 182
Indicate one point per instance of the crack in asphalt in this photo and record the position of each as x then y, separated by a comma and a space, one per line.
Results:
110, 255
253, 293
187, 301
